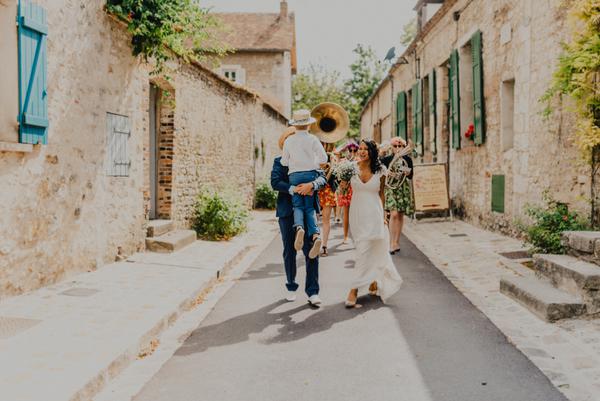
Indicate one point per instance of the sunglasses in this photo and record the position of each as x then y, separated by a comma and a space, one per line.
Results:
397, 146
352, 150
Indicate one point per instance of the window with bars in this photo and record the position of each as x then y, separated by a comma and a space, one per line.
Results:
117, 154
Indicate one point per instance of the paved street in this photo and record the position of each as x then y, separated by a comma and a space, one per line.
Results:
430, 343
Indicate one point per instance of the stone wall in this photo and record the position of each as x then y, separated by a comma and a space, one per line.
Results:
9, 89
521, 42
61, 213
269, 74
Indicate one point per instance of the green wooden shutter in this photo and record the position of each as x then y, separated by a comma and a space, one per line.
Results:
33, 102
478, 99
420, 116
417, 112
401, 126
433, 111
498, 193
455, 100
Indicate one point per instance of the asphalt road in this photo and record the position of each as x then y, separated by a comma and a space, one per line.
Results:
429, 343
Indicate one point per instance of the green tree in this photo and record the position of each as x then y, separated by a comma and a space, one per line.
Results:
367, 73
317, 85
161, 28
409, 32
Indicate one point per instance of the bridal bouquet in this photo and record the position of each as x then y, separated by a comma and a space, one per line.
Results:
344, 171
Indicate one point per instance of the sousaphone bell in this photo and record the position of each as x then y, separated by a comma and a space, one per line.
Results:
332, 122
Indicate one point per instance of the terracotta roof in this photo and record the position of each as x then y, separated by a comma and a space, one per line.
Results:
259, 31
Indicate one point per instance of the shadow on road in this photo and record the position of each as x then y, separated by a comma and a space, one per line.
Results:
238, 329
269, 270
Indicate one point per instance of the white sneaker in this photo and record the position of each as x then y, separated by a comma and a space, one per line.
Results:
291, 296
315, 300
299, 241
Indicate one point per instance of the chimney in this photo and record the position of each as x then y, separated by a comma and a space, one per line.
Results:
283, 13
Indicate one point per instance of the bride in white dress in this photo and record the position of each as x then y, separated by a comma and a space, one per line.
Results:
374, 267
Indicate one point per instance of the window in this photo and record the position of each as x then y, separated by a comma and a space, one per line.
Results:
466, 90
118, 134
401, 116
234, 73
508, 114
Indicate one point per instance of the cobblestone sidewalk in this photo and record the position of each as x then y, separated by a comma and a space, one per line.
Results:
567, 352
67, 341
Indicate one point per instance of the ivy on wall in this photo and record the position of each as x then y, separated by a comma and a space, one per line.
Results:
164, 29
578, 73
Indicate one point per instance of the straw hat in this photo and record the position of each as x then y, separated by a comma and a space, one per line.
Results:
302, 117
288, 132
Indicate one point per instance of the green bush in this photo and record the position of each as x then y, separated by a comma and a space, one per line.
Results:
549, 222
218, 217
265, 197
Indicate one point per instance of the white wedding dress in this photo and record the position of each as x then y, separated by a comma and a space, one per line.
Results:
371, 239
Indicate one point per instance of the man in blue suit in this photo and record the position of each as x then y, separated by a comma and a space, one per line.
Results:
285, 212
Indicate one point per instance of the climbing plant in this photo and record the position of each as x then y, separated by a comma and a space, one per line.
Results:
163, 29
578, 73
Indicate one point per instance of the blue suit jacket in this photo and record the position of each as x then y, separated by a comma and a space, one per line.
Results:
280, 182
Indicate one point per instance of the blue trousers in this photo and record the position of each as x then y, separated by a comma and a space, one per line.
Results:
288, 233
304, 206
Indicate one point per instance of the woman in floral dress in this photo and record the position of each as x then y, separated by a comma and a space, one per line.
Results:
398, 202
327, 200
344, 193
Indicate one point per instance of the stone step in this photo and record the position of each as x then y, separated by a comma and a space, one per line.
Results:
568, 273
171, 242
587, 242
542, 299
157, 228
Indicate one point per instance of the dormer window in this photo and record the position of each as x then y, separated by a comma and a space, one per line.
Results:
234, 73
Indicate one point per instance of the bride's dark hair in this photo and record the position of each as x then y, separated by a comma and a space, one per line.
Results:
374, 162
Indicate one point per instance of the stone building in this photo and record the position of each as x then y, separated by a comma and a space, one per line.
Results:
100, 146
482, 66
264, 53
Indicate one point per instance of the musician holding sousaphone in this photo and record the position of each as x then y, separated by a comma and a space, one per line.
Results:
332, 125
398, 193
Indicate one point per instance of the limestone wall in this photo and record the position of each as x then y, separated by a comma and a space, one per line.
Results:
269, 74
61, 212
521, 42
9, 77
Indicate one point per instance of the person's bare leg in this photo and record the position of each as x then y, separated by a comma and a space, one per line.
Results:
400, 226
395, 229
326, 224
352, 297
346, 213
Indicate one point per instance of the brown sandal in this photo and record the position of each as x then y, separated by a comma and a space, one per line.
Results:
324, 252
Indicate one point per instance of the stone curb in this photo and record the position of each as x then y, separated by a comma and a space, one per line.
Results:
145, 344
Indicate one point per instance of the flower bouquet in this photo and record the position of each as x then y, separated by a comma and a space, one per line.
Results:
343, 172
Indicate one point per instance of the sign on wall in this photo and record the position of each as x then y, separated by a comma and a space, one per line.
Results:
430, 188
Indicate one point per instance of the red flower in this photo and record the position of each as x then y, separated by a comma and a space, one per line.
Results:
565, 217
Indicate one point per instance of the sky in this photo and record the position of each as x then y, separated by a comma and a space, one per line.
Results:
328, 30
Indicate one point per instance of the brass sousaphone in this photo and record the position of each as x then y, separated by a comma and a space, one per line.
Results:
332, 122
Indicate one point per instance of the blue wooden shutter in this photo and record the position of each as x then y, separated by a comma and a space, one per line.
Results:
455, 100
433, 111
33, 102
478, 99
401, 116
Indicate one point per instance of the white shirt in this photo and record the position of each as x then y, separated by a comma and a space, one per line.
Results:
303, 152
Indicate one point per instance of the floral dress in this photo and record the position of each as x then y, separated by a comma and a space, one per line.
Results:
400, 200
344, 197
327, 197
